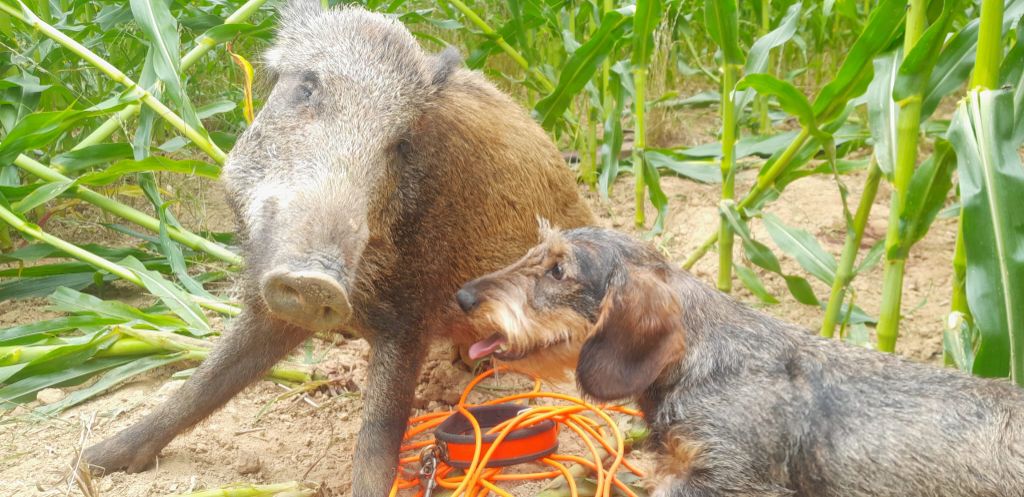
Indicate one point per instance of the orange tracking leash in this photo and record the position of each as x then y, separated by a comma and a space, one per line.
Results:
529, 430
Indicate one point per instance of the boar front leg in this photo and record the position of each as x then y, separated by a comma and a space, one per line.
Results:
250, 350
393, 373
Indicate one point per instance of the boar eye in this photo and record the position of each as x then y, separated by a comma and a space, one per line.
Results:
556, 271
404, 147
308, 86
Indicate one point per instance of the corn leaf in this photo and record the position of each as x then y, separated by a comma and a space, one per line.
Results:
23, 288
757, 58
929, 189
121, 369
883, 111
645, 21
658, 197
1012, 74
916, 69
882, 28
149, 164
750, 280
54, 326
247, 78
704, 172
801, 290
803, 247
791, 99
580, 67
25, 390
991, 188
161, 30
41, 195
67, 300
173, 297
86, 157
62, 357
39, 129
723, 26
611, 145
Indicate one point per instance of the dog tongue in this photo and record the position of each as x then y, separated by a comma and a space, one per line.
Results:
486, 346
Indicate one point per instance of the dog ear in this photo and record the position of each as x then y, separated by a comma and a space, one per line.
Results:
638, 333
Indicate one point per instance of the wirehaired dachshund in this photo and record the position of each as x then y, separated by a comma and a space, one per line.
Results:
740, 403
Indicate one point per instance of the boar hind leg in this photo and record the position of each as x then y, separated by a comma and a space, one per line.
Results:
245, 354
393, 372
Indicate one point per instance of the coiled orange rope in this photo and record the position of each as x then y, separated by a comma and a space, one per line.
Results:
478, 479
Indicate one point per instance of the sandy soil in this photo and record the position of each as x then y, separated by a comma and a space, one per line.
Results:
312, 439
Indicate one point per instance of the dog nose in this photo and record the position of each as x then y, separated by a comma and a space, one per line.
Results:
467, 300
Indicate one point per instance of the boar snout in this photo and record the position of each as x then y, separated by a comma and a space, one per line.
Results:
310, 299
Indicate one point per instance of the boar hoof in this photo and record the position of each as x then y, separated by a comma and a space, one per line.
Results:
115, 454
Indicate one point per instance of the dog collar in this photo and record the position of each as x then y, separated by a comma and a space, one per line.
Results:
456, 443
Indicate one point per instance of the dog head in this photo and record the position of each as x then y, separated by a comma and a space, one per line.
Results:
590, 299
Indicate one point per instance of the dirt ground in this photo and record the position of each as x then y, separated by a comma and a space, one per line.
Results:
312, 438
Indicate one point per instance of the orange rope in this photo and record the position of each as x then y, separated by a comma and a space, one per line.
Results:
478, 480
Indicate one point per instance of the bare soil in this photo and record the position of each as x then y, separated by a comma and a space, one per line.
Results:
311, 438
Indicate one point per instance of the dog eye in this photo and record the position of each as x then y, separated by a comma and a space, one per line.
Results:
556, 271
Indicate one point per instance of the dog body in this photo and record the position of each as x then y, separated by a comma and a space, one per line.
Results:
741, 403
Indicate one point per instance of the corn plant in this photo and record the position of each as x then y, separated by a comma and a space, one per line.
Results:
110, 338
801, 89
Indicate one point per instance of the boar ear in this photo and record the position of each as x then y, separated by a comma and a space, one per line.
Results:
638, 334
298, 9
445, 64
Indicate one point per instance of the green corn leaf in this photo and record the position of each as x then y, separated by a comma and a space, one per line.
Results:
803, 247
645, 22
226, 32
580, 67
704, 172
24, 288
41, 195
915, 71
883, 111
161, 29
882, 29
86, 157
1012, 74
723, 26
26, 389
172, 251
36, 251
991, 188
121, 369
750, 280
67, 300
801, 290
37, 130
761, 146
147, 117
55, 326
149, 164
657, 196
872, 258
757, 58
214, 108
611, 145
60, 358
762, 256
959, 340
791, 99
173, 297
929, 189
843, 166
